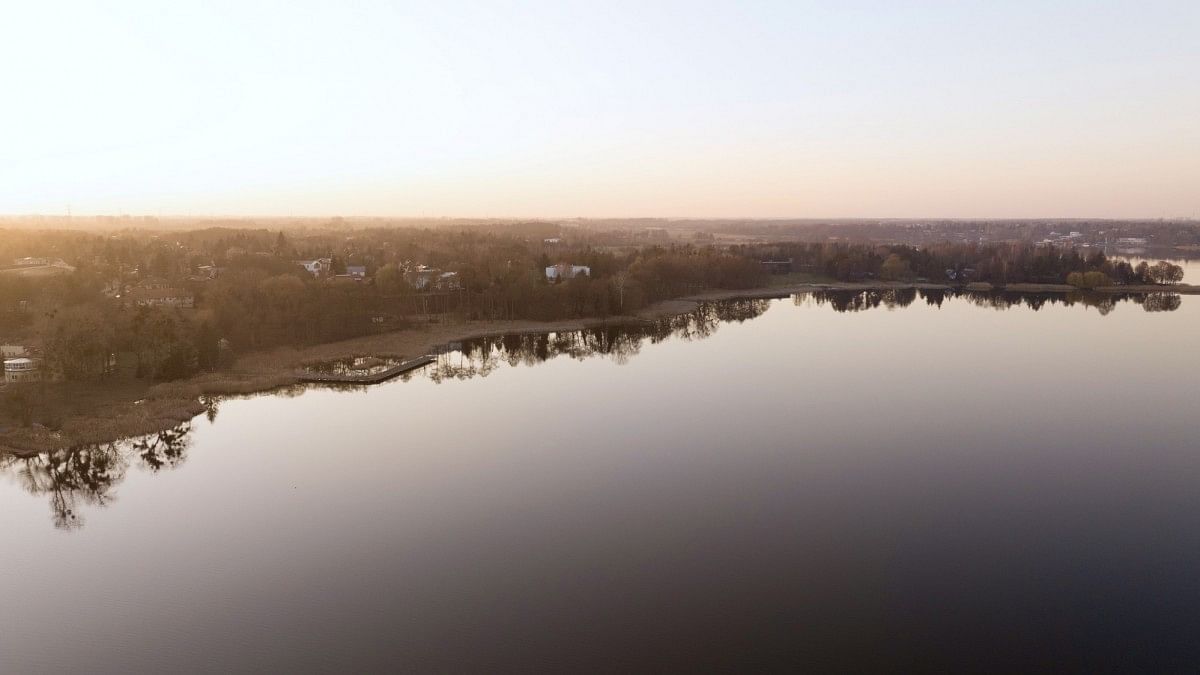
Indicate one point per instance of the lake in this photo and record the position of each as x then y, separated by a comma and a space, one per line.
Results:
894, 481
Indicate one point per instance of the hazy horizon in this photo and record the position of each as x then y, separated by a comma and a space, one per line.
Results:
706, 111
181, 219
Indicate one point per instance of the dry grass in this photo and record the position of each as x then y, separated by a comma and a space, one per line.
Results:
122, 421
220, 384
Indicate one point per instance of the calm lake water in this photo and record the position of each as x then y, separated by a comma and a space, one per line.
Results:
889, 481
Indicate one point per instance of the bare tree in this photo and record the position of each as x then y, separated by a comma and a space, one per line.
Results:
620, 279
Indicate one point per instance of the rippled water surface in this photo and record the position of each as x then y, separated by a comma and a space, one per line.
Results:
885, 480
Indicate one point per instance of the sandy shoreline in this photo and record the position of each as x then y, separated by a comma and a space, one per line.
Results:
170, 404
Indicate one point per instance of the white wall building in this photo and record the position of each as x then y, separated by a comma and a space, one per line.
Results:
318, 267
565, 271
21, 370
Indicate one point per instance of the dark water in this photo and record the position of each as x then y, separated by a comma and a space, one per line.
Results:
884, 481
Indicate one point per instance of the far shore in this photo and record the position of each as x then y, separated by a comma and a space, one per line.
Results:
170, 404
809, 287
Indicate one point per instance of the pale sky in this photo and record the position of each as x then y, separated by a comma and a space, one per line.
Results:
602, 108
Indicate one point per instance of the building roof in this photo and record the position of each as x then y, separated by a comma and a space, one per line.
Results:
157, 293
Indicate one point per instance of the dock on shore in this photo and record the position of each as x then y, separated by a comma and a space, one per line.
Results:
371, 378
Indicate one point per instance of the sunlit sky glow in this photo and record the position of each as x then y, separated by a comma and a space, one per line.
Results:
557, 109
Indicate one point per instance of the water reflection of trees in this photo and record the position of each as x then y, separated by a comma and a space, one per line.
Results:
620, 342
86, 476
1162, 302
857, 301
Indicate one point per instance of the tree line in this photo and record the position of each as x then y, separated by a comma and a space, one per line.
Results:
998, 264
250, 293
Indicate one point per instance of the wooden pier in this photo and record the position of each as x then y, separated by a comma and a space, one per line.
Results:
372, 378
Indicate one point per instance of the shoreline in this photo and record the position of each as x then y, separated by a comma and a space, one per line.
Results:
170, 404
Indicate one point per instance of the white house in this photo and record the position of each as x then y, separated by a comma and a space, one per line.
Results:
565, 271
317, 267
423, 276
448, 281
433, 279
21, 370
